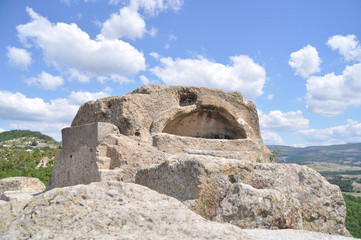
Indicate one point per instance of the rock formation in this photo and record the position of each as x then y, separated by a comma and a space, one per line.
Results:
114, 137
15, 192
250, 194
116, 210
201, 148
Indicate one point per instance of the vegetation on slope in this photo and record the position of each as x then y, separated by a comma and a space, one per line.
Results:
353, 217
15, 161
14, 134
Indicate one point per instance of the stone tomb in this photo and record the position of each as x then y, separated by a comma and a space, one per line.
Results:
114, 137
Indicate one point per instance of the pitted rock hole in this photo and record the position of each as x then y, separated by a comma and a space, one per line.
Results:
205, 124
187, 98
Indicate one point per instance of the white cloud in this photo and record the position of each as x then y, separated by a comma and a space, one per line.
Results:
114, 2
305, 61
271, 138
2, 130
75, 74
277, 120
154, 55
243, 75
37, 114
19, 58
270, 96
78, 98
46, 81
16, 106
351, 132
128, 23
153, 7
332, 94
347, 46
95, 57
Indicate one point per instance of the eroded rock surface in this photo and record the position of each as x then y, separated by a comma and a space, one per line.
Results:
15, 192
98, 152
116, 210
187, 118
249, 194
199, 145
112, 210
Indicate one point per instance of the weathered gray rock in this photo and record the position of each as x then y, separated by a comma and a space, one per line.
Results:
21, 185
15, 192
98, 152
199, 145
175, 119
111, 210
116, 210
288, 234
249, 194
44, 162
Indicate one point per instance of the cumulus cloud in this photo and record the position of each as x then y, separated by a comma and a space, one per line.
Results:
95, 57
18, 57
128, 23
18, 107
78, 98
46, 81
75, 74
154, 7
277, 120
351, 132
347, 46
45, 116
305, 61
332, 94
271, 138
242, 75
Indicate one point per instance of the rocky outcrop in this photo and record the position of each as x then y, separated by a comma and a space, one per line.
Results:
98, 152
199, 145
178, 119
249, 194
116, 210
15, 192
112, 210
21, 185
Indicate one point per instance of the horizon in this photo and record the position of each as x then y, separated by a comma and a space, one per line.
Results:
299, 62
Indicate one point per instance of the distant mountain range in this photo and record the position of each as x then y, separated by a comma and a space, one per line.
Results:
345, 154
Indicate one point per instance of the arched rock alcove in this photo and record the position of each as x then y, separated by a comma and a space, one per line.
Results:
209, 123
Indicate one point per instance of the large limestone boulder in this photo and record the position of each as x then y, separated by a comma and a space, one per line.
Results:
199, 145
250, 194
116, 210
178, 119
112, 138
98, 152
112, 210
21, 185
15, 192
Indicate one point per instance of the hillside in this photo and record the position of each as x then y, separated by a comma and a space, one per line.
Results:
27, 139
345, 154
22, 151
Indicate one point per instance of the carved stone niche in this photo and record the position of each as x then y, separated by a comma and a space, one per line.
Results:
177, 119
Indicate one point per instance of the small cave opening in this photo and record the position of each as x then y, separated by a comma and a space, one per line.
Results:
187, 98
206, 123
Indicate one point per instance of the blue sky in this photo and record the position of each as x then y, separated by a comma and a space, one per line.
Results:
298, 61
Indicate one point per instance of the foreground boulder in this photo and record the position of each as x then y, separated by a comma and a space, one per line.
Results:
249, 194
116, 210
112, 210
17, 191
202, 146
112, 138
